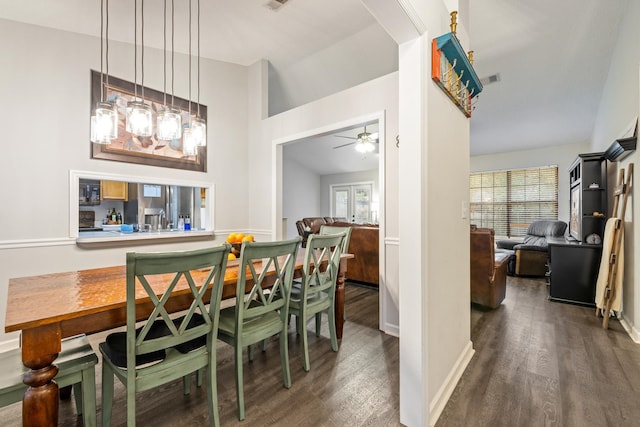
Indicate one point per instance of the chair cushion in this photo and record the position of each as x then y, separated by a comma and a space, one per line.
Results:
530, 240
195, 343
115, 346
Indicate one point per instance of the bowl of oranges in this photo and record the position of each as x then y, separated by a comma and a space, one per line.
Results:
236, 240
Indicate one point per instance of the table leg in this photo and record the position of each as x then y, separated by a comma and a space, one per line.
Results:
340, 298
40, 347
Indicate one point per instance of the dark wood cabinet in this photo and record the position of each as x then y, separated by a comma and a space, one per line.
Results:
573, 268
588, 196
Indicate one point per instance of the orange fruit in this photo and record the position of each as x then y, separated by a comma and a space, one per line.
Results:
231, 238
239, 237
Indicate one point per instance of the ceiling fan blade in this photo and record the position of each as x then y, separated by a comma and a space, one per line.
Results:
373, 135
344, 145
342, 136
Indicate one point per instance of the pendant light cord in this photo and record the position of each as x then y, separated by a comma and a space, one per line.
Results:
142, 50
198, 114
101, 50
173, 51
189, 60
106, 36
135, 50
164, 57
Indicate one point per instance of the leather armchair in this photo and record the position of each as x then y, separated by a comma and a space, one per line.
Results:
532, 252
488, 269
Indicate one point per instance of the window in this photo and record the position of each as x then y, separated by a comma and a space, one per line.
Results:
508, 201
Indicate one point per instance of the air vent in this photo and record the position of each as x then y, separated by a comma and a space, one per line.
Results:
274, 5
494, 78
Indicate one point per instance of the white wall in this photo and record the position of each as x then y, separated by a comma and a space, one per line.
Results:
619, 107
326, 181
45, 73
376, 99
333, 69
301, 197
561, 155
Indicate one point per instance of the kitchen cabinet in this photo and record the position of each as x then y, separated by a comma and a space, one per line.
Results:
114, 190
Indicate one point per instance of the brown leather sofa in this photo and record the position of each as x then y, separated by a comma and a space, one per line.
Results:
364, 245
311, 225
488, 269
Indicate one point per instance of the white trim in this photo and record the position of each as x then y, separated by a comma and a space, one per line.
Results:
392, 329
392, 241
633, 332
74, 182
9, 345
442, 396
276, 182
36, 243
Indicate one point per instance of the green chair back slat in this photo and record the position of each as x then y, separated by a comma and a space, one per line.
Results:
317, 289
330, 229
196, 328
261, 312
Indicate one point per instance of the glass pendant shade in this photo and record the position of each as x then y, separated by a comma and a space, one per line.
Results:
139, 119
189, 145
199, 131
104, 123
169, 124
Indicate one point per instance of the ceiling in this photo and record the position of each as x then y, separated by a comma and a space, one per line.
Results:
552, 56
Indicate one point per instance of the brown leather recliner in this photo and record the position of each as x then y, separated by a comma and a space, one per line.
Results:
532, 252
488, 269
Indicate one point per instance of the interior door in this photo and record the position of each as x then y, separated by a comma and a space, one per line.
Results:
352, 202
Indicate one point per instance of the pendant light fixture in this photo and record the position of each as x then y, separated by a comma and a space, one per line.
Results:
104, 122
169, 121
189, 143
198, 125
139, 117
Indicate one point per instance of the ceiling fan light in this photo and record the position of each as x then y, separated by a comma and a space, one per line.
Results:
139, 119
169, 124
365, 146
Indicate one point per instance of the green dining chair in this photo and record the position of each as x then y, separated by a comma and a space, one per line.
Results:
330, 229
76, 366
262, 300
317, 292
161, 349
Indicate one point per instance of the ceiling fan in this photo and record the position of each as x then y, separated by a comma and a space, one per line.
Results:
365, 141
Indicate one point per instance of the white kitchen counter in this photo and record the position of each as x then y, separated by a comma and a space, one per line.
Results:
99, 237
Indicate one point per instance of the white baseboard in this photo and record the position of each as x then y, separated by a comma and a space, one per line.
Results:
633, 332
439, 401
9, 345
393, 330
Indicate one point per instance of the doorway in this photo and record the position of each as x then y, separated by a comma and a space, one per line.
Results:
294, 199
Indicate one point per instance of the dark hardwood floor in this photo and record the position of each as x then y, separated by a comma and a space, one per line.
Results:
542, 363
536, 363
356, 386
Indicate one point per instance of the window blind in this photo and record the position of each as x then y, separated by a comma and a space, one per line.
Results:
508, 201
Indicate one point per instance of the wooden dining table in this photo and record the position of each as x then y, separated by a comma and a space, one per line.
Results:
49, 307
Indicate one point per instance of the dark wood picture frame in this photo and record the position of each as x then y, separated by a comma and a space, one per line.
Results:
147, 151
